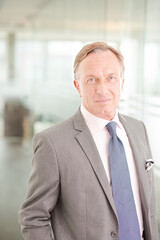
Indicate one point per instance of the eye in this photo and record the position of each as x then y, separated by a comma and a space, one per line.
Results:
111, 78
90, 80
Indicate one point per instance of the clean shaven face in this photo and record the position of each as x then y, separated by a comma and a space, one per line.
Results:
99, 83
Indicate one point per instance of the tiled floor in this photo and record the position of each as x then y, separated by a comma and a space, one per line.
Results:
15, 164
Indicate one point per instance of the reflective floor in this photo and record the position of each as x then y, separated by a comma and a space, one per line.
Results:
15, 162
15, 165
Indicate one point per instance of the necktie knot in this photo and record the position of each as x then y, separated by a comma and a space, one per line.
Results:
111, 127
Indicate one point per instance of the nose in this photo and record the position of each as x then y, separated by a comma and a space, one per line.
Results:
102, 88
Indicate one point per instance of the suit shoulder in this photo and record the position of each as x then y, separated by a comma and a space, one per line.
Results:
57, 128
136, 126
58, 134
130, 120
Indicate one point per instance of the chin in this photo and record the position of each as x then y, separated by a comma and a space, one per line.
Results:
108, 114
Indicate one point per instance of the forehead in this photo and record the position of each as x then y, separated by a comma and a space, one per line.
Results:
100, 60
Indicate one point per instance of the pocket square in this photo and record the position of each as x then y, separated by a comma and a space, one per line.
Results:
149, 164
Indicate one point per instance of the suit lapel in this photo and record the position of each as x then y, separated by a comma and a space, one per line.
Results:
88, 145
137, 150
85, 139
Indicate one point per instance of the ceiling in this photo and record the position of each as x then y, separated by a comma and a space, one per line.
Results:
60, 13
68, 17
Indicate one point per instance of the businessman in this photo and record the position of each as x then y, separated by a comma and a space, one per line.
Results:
92, 175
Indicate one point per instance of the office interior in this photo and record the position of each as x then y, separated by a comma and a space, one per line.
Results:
38, 42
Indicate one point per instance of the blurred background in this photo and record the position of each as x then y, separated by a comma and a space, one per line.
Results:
38, 42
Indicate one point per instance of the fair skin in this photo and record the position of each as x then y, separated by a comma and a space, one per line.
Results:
99, 83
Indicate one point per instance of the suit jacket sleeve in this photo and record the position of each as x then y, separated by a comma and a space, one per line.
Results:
152, 212
43, 191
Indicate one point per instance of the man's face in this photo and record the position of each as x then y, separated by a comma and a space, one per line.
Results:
99, 83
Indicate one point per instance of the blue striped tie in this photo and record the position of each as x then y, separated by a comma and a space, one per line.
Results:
121, 188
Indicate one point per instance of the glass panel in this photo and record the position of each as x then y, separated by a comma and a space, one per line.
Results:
3, 61
52, 33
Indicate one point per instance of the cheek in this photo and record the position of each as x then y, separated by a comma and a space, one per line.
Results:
116, 92
87, 92
118, 95
117, 89
88, 96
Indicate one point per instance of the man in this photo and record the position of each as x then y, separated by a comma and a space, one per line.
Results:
72, 184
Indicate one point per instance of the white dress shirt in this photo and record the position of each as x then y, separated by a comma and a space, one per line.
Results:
101, 137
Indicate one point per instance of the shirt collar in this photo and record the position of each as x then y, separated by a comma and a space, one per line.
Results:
95, 123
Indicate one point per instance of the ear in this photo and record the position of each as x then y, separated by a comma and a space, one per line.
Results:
76, 84
122, 84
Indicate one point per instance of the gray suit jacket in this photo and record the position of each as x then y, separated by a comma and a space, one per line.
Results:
68, 188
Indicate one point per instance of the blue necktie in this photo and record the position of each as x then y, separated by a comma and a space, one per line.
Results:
121, 188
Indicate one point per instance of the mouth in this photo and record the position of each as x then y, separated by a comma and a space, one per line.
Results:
103, 100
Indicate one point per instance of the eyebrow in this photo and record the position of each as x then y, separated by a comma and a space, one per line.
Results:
92, 75
87, 76
112, 74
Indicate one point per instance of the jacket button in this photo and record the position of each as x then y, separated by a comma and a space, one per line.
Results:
114, 234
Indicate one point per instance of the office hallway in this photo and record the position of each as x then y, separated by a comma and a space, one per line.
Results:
15, 165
